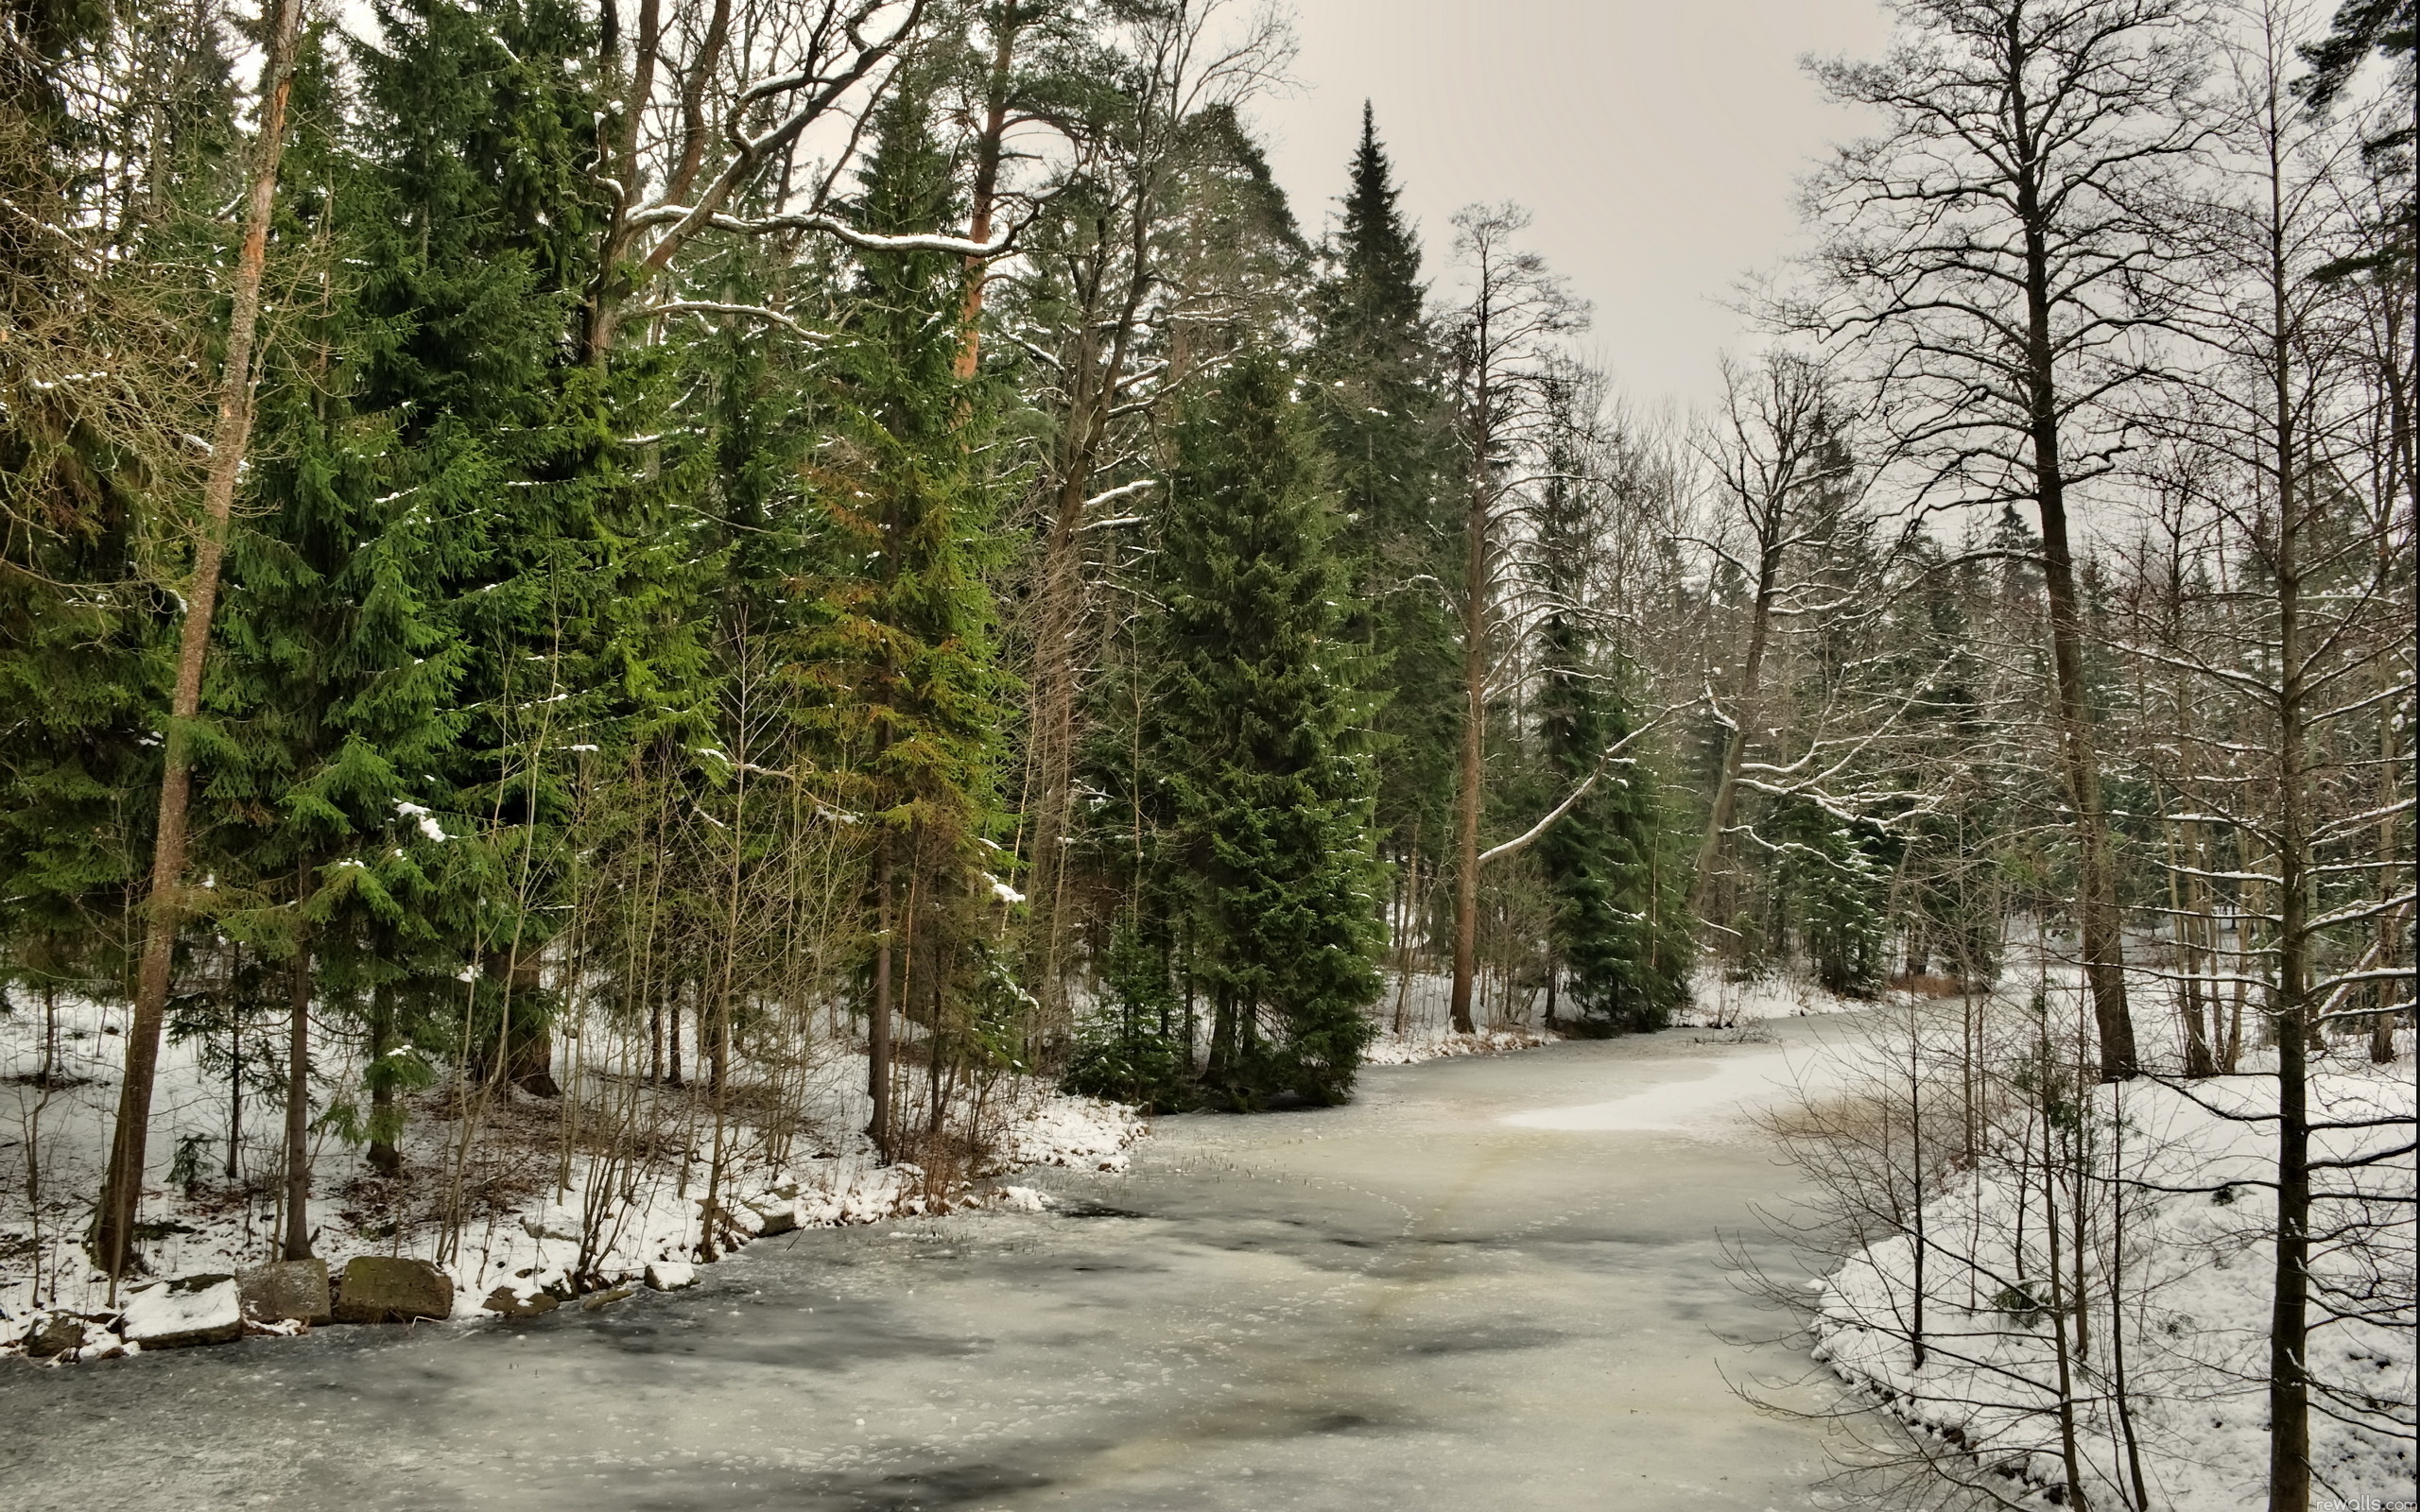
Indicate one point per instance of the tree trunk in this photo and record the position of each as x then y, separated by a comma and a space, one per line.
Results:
384, 1158
234, 1087
1468, 797
986, 190
297, 1243
2290, 1304
2097, 907
122, 1188
1734, 749
878, 1013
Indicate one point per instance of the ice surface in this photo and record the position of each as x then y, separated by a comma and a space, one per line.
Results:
1399, 1304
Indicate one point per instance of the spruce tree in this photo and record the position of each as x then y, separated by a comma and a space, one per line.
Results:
81, 465
331, 693
1258, 737
475, 221
1619, 923
1375, 383
896, 657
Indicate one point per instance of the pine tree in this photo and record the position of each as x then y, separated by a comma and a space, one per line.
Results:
1258, 737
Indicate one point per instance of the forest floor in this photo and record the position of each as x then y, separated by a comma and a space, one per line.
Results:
515, 1171
1452, 1292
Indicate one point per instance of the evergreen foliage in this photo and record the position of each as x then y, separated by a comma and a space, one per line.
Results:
1375, 380
1256, 737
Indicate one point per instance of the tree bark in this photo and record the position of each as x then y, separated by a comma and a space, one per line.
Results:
2099, 920
384, 1158
878, 1013
297, 1243
1734, 750
1469, 797
986, 190
2290, 1303
122, 1188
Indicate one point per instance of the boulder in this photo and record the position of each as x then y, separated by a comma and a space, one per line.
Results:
59, 1333
293, 1291
513, 1301
389, 1289
187, 1311
671, 1275
775, 1214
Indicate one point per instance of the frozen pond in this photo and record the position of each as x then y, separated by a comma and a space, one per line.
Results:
1488, 1283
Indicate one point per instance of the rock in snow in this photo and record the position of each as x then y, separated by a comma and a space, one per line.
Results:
59, 1333
516, 1301
189, 1309
291, 1291
389, 1289
671, 1275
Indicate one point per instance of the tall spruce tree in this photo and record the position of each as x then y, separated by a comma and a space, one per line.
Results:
1258, 738
897, 654
331, 693
93, 406
1375, 385
475, 124
1619, 923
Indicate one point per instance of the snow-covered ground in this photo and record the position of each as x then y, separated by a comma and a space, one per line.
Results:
2178, 1245
1415, 1024
516, 1207
1414, 1019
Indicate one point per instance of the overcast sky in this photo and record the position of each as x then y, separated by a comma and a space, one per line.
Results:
1656, 141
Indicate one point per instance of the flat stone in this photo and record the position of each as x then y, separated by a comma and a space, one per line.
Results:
389, 1289
512, 1302
59, 1333
187, 1311
293, 1291
598, 1300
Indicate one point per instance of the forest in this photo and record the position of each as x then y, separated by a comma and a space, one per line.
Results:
665, 591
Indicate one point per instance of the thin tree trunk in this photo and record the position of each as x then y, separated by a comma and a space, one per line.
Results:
672, 1044
878, 1013
384, 1158
2096, 907
235, 1086
122, 1188
1468, 797
986, 190
1734, 749
298, 1108
2288, 1323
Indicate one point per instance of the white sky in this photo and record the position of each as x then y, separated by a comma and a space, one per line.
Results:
1656, 141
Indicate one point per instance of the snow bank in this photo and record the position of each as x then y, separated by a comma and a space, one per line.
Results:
561, 1211
2196, 1276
